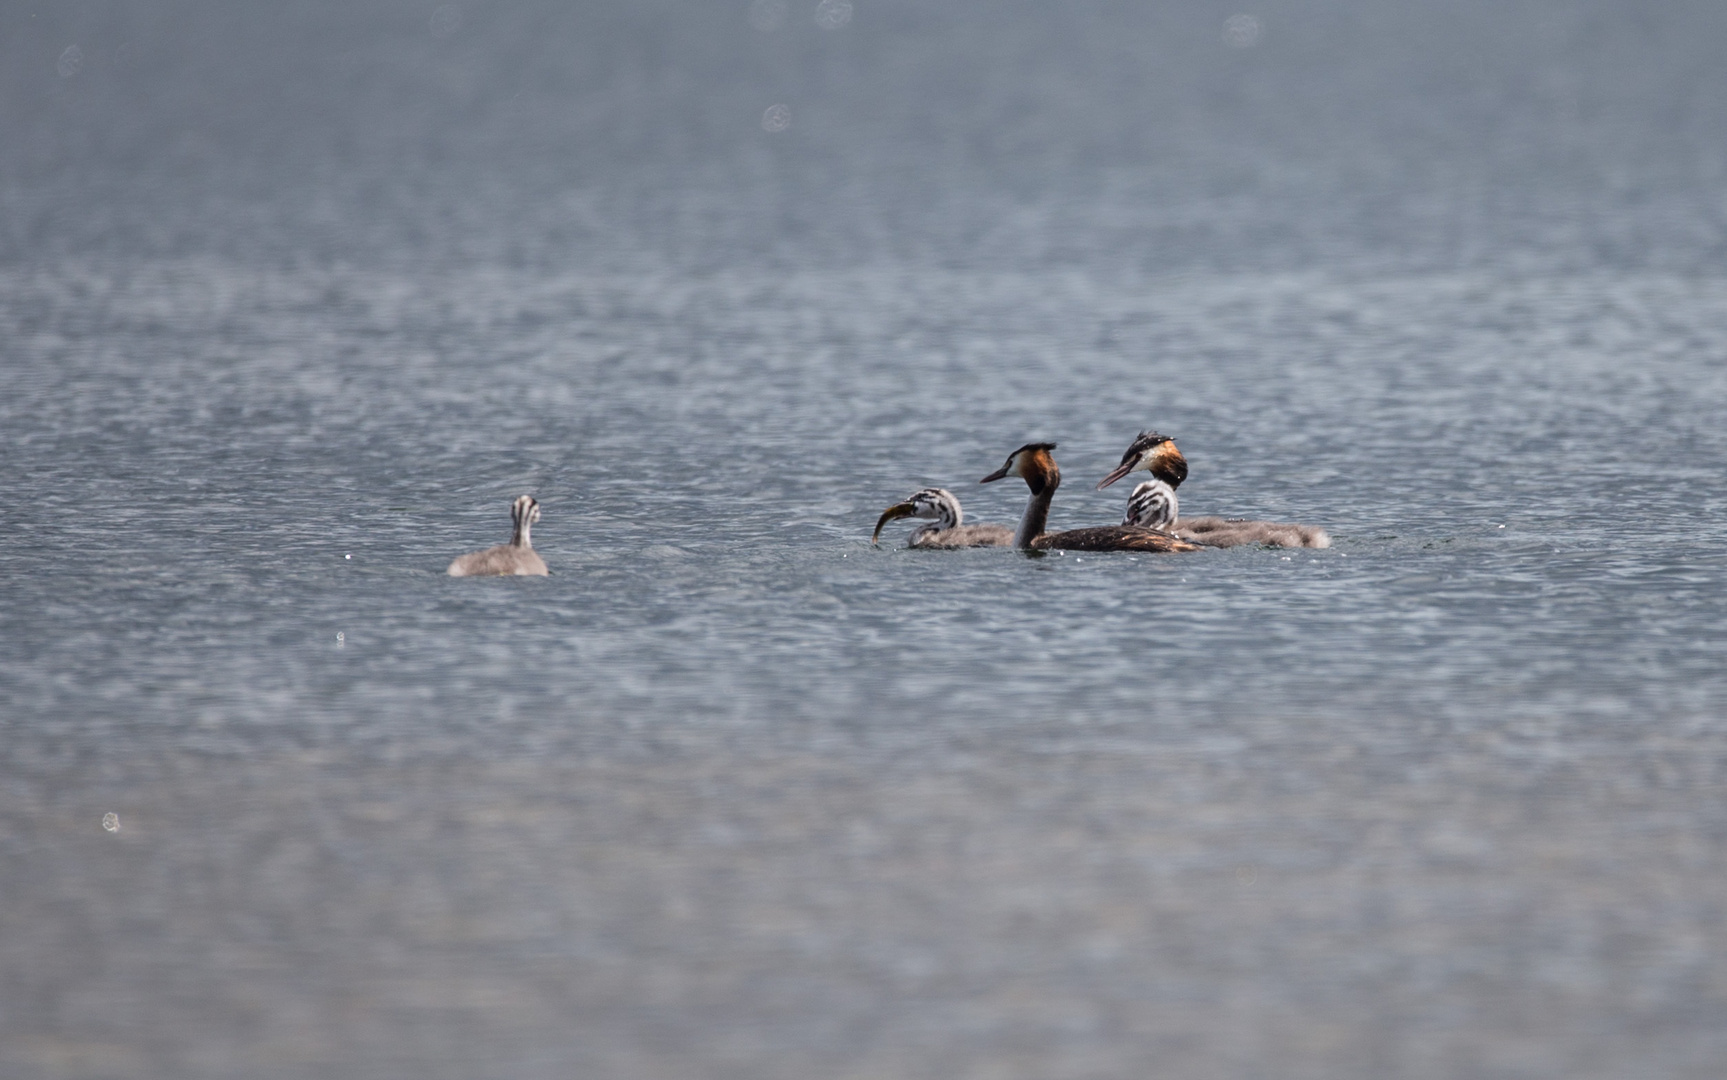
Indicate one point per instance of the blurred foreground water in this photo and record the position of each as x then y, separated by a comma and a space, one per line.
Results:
293, 305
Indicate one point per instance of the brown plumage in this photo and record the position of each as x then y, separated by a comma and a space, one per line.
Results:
1112, 538
516, 557
1156, 454
1033, 464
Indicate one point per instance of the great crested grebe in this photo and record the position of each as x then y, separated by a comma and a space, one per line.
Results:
945, 529
1154, 504
1157, 455
515, 557
1033, 464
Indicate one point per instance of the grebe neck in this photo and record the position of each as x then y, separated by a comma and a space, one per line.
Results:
1036, 520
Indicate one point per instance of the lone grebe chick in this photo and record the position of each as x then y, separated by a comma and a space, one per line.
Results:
945, 528
515, 557
1033, 464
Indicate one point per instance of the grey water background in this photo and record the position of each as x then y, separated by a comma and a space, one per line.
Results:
294, 300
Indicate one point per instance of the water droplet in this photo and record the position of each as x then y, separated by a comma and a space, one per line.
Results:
833, 14
446, 20
768, 15
111, 822
70, 61
777, 118
1242, 31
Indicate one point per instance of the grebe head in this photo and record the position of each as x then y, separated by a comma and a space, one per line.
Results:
1156, 454
1152, 505
1032, 464
524, 512
933, 504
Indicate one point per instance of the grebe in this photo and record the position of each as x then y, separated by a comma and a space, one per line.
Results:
1153, 504
945, 530
515, 557
1033, 464
1156, 454
1233, 532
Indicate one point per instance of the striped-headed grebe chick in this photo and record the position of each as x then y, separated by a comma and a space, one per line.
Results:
945, 528
1153, 505
1033, 464
1158, 455
515, 557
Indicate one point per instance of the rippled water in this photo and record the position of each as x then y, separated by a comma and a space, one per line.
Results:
733, 792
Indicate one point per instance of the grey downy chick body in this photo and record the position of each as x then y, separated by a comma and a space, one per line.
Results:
1233, 532
944, 527
514, 558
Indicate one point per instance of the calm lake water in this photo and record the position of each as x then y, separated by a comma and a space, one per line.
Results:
292, 305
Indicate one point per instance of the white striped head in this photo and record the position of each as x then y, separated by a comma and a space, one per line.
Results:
1153, 506
931, 504
524, 512
1154, 453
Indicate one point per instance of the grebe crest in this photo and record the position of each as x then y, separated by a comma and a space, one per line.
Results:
1156, 454
1031, 463
514, 558
1153, 505
945, 527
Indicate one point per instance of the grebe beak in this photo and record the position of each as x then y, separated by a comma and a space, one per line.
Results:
892, 513
1120, 471
997, 475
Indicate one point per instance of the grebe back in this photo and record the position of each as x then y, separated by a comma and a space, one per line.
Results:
516, 557
1233, 532
945, 529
